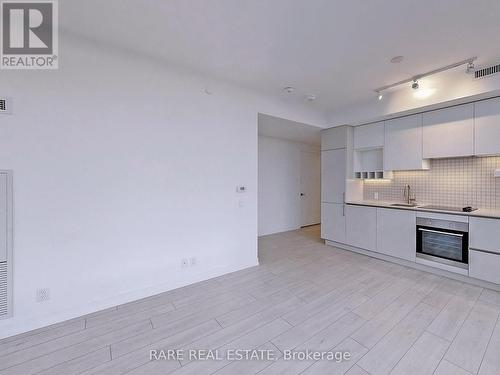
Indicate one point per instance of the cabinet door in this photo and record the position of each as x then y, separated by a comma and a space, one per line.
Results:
333, 222
484, 234
403, 144
361, 227
484, 266
487, 127
333, 175
369, 136
334, 138
396, 233
449, 132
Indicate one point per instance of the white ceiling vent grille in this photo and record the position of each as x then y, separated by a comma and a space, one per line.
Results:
3, 290
3, 105
480, 73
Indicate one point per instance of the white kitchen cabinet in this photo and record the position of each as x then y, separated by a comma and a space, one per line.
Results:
396, 233
333, 175
361, 227
449, 132
403, 144
333, 222
334, 138
487, 127
484, 234
369, 136
484, 266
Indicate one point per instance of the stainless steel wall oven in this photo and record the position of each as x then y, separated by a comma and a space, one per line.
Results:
443, 241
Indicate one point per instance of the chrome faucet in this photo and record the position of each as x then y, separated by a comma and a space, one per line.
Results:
408, 196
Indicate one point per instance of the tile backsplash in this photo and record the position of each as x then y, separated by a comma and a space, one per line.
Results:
450, 182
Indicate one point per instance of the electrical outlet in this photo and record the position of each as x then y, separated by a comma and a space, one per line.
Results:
42, 295
184, 263
192, 261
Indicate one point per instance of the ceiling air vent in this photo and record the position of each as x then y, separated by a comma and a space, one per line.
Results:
3, 105
480, 73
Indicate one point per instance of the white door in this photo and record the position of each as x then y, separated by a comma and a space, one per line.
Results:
310, 188
3, 217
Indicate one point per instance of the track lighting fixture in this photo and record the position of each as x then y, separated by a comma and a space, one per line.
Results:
414, 80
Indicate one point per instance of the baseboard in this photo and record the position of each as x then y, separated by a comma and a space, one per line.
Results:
17, 325
418, 266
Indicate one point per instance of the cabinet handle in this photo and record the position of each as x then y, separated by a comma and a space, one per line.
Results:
441, 232
343, 204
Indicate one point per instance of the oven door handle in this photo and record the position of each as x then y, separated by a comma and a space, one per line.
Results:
441, 232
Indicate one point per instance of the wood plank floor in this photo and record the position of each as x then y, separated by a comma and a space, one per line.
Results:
303, 296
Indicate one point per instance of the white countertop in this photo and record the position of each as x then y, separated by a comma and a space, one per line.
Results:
482, 212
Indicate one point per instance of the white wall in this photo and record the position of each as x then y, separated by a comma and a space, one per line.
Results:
279, 184
448, 86
122, 167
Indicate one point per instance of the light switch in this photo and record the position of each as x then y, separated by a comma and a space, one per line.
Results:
241, 189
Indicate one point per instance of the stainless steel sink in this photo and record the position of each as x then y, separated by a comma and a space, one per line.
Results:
404, 205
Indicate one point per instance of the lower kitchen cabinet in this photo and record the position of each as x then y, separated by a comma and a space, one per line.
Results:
484, 266
484, 234
361, 227
396, 233
333, 222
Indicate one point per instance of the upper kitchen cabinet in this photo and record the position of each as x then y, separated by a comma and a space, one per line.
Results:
369, 136
487, 127
333, 175
449, 132
334, 138
403, 144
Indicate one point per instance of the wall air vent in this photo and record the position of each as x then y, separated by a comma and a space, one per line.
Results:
480, 73
5, 244
3, 105
4, 311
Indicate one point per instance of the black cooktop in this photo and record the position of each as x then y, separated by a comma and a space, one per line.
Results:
444, 208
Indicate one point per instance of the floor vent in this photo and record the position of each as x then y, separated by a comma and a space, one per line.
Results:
480, 73
3, 290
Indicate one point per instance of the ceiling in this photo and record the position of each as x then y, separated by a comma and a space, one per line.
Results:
336, 50
276, 127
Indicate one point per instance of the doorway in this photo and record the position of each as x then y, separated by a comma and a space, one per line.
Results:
289, 173
310, 188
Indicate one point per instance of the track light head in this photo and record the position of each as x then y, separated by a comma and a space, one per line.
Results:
470, 68
415, 85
